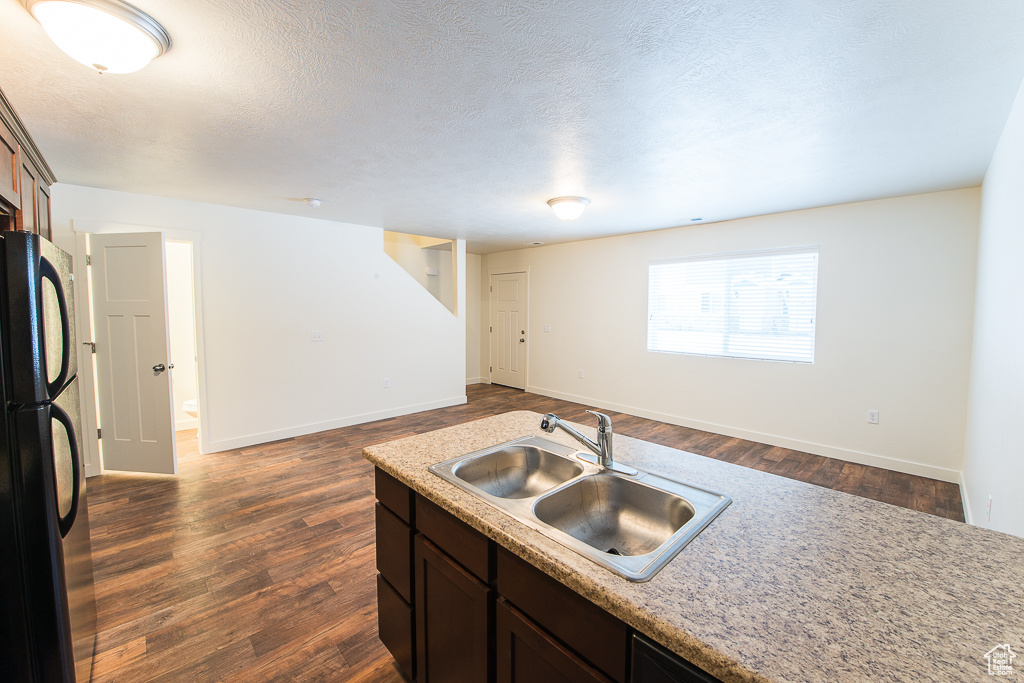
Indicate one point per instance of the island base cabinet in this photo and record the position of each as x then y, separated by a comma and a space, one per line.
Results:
525, 653
453, 613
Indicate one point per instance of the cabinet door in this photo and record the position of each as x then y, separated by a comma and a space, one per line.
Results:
43, 210
9, 171
654, 664
27, 217
395, 627
525, 653
453, 611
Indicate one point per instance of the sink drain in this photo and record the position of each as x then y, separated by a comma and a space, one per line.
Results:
613, 551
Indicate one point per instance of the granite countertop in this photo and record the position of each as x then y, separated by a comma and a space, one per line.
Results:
792, 582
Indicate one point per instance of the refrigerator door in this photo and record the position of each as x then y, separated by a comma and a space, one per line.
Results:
15, 648
55, 538
40, 316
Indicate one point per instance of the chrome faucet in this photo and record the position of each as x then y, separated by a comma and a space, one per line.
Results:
602, 448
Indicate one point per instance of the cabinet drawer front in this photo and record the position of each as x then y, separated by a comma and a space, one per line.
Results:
394, 551
453, 611
525, 653
465, 544
393, 494
9, 170
395, 626
597, 636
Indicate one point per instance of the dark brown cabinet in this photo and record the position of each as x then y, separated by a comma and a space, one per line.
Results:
455, 607
25, 178
453, 615
526, 653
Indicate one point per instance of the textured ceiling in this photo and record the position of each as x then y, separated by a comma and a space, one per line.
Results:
461, 118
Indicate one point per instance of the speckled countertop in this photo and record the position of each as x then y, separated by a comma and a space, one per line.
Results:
793, 582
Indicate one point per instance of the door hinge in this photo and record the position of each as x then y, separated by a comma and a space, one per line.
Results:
491, 369
88, 259
492, 289
91, 345
99, 433
490, 329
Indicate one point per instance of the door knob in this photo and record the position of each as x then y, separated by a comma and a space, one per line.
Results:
158, 368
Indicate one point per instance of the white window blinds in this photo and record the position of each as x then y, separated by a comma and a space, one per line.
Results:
752, 305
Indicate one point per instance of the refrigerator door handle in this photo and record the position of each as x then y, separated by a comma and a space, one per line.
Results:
65, 523
47, 271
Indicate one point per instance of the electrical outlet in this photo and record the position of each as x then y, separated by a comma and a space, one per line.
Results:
873, 417
318, 335
581, 374
387, 382
988, 515
547, 328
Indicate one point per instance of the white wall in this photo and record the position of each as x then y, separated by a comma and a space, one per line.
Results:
473, 322
268, 280
895, 307
181, 329
411, 252
994, 450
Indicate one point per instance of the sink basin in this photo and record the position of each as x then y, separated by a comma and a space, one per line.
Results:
517, 471
615, 515
632, 525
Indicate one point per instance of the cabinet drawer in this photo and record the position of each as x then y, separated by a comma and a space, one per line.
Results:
596, 635
394, 495
463, 543
9, 171
394, 551
525, 653
395, 626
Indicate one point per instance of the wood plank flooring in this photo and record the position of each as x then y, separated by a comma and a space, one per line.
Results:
258, 564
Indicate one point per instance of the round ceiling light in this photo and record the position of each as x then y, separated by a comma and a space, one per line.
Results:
108, 35
568, 208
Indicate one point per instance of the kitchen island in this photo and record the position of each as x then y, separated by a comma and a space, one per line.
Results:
792, 582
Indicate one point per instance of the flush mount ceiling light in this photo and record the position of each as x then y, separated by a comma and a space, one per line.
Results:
108, 35
568, 208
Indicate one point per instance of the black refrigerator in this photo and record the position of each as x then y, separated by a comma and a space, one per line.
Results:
48, 609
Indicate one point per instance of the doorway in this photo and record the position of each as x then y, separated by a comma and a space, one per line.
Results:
509, 328
178, 269
181, 330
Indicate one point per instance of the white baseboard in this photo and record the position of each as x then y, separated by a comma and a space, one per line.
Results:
475, 380
190, 423
968, 515
302, 430
885, 462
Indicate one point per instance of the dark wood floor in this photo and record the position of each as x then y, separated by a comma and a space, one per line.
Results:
258, 564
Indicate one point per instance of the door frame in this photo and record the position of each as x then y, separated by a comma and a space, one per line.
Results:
491, 272
89, 444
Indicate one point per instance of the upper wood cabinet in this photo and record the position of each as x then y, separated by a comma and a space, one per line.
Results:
25, 177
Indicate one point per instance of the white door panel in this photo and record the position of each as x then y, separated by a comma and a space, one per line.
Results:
130, 322
508, 331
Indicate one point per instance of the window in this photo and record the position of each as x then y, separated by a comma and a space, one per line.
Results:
751, 305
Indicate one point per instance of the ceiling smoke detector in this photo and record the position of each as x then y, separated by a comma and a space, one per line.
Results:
110, 36
568, 208
315, 203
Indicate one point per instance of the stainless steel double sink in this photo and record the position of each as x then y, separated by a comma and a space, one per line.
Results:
633, 525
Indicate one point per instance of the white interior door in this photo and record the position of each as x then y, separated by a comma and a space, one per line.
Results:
508, 329
132, 363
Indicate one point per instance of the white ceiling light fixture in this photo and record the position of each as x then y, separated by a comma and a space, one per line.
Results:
108, 35
568, 208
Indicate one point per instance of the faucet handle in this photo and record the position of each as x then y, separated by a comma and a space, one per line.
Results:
604, 423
